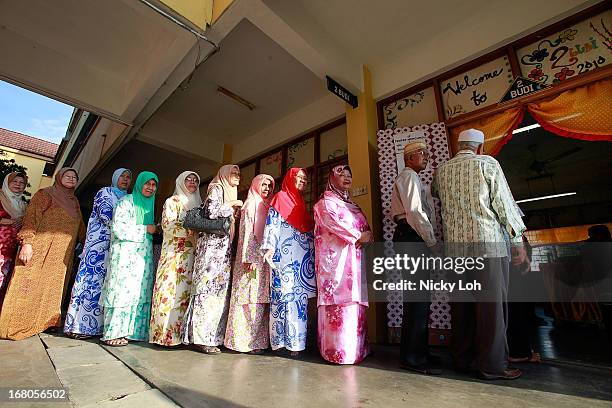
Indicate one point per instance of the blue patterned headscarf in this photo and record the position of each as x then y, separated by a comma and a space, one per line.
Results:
119, 192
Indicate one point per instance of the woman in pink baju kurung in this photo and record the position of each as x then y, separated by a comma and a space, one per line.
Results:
249, 312
340, 229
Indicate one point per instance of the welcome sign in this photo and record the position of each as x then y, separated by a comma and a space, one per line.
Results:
476, 88
581, 48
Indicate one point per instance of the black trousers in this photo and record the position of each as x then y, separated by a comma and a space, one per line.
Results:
415, 318
479, 328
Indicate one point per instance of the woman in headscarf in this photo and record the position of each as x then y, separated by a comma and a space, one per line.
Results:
12, 209
126, 295
84, 318
172, 288
289, 250
340, 229
206, 316
248, 320
51, 226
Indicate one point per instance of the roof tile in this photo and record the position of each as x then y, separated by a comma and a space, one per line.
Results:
25, 143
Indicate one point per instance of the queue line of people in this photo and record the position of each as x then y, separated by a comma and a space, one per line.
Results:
200, 292
203, 294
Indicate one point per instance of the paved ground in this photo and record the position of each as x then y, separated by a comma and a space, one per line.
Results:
141, 375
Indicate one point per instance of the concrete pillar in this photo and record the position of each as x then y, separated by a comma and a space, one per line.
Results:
361, 127
228, 150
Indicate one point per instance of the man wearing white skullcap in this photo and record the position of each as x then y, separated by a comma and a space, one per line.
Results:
479, 214
412, 210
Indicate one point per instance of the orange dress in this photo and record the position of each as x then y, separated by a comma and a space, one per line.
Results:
34, 295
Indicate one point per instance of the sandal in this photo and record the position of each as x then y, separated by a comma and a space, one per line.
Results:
77, 336
209, 349
294, 354
257, 351
116, 342
534, 358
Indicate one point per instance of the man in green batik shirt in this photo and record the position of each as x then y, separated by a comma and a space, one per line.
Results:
479, 214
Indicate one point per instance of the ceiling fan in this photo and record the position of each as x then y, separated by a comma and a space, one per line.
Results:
540, 166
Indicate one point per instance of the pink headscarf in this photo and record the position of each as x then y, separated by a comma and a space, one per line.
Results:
335, 191
256, 207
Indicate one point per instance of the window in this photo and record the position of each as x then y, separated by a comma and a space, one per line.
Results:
317, 152
333, 143
271, 164
301, 154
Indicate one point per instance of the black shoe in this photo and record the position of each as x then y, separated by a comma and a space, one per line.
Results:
426, 369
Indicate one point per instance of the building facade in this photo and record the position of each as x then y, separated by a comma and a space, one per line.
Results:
36, 155
182, 86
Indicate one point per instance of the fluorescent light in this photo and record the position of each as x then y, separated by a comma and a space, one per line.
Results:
235, 97
526, 128
546, 197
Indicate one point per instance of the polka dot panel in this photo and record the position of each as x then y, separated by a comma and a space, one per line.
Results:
437, 141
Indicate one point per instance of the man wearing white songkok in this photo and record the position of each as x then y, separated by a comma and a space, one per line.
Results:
412, 210
478, 213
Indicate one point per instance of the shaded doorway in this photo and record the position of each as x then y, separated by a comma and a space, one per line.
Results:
563, 187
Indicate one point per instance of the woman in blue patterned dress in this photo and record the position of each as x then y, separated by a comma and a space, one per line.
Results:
84, 318
288, 247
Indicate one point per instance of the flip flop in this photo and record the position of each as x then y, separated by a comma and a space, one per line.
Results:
121, 343
78, 336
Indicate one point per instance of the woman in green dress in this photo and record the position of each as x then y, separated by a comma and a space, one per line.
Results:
126, 297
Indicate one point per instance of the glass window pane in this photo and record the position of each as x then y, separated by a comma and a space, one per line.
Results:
308, 193
301, 154
247, 174
272, 164
333, 143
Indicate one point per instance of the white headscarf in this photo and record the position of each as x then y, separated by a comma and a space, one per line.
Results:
12, 203
189, 200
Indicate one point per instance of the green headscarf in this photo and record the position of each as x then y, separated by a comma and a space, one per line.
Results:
145, 206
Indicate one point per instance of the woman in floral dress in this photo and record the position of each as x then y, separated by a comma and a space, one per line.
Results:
340, 229
206, 317
249, 314
12, 209
172, 289
84, 318
289, 248
126, 296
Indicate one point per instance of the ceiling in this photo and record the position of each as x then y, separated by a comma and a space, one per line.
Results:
373, 32
404, 41
252, 66
106, 56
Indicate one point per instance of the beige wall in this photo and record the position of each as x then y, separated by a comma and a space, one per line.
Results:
494, 24
45, 181
199, 12
34, 165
